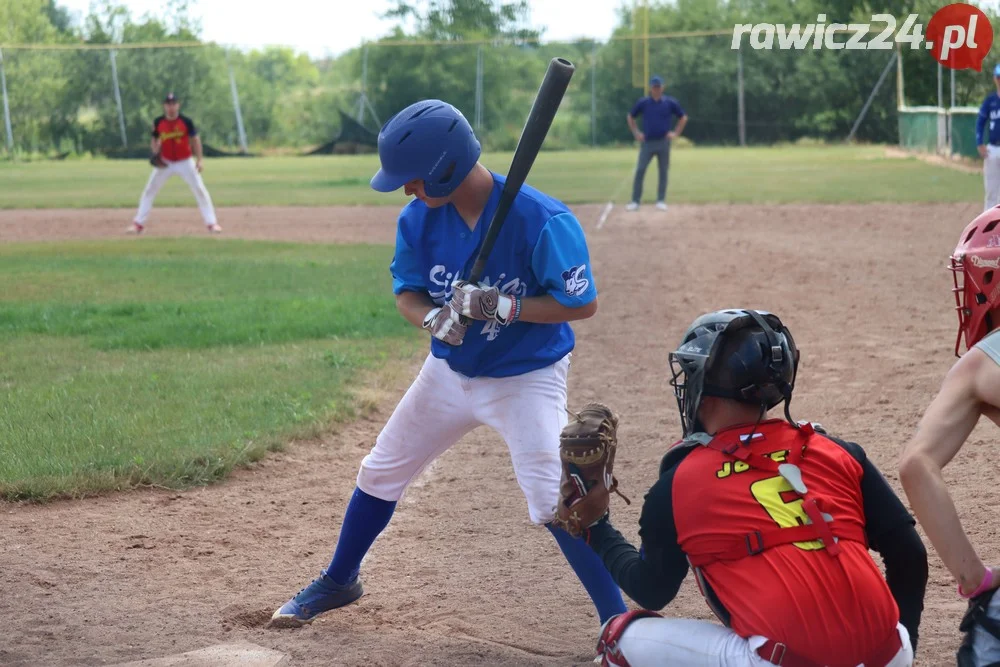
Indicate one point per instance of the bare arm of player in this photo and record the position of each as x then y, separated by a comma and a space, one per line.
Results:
154, 145
546, 310
196, 145
679, 129
414, 306
633, 128
946, 424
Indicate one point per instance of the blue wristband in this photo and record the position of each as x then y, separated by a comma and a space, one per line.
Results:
516, 312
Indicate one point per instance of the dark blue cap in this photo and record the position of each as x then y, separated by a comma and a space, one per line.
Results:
170, 98
656, 81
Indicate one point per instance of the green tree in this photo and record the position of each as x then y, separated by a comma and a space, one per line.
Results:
400, 75
59, 17
36, 80
274, 86
457, 20
144, 75
280, 93
788, 93
920, 71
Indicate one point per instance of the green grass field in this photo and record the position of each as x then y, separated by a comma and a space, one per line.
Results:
171, 361
827, 174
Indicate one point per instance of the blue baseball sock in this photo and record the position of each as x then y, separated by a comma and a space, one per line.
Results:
590, 570
366, 517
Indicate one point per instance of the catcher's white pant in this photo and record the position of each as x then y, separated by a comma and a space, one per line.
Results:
991, 176
663, 642
185, 169
441, 406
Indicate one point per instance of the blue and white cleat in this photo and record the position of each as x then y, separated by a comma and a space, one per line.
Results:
322, 595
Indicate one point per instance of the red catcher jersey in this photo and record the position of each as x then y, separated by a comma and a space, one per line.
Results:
832, 610
175, 137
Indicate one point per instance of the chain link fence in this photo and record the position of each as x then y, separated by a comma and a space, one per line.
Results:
102, 99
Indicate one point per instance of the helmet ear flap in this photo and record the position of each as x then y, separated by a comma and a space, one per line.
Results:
762, 367
782, 352
776, 353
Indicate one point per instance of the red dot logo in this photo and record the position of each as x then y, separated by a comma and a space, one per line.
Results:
959, 36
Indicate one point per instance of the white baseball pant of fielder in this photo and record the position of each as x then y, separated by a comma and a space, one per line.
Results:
185, 169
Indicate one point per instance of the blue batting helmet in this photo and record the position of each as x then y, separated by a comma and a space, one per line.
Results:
430, 140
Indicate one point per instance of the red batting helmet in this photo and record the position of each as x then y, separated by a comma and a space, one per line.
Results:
977, 259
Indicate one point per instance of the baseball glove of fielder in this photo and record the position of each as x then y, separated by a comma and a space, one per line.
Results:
157, 161
587, 448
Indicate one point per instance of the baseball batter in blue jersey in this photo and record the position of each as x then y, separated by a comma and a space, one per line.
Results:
499, 353
988, 142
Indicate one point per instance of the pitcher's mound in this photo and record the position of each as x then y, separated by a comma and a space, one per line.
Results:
220, 655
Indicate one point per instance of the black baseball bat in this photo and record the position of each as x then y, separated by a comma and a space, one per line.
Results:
543, 110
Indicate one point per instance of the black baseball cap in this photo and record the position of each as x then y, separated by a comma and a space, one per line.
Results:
170, 98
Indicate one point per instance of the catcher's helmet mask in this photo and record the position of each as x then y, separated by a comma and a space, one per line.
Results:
760, 371
974, 265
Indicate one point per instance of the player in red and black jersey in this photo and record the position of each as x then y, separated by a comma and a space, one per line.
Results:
774, 517
175, 139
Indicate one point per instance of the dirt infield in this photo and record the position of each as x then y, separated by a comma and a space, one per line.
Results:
460, 577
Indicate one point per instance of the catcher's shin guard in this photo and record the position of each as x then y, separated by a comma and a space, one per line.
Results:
608, 648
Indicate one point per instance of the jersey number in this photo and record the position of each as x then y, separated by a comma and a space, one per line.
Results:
789, 514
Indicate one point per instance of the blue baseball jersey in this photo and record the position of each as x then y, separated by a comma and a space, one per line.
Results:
989, 117
657, 115
540, 250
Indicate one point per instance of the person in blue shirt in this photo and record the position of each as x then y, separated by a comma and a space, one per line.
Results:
988, 142
499, 352
658, 112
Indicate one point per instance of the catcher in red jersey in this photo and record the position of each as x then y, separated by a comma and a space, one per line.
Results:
970, 390
174, 140
774, 517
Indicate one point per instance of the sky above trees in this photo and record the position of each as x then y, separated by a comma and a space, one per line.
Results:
330, 28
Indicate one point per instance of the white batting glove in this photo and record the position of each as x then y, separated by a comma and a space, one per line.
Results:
445, 325
482, 302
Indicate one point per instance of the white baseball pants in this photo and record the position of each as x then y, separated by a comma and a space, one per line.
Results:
991, 176
663, 642
185, 169
441, 406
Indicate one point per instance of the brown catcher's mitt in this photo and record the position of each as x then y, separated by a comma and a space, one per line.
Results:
587, 449
157, 161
